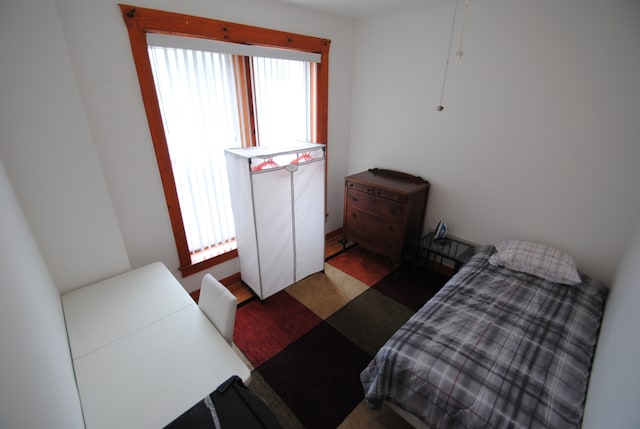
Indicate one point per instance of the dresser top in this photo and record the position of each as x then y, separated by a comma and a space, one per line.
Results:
390, 180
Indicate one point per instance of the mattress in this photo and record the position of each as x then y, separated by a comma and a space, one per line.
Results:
493, 348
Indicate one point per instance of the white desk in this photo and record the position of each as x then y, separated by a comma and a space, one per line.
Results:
143, 352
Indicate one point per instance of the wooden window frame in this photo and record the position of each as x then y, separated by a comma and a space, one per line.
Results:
140, 21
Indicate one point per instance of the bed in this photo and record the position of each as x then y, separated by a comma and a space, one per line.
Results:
496, 347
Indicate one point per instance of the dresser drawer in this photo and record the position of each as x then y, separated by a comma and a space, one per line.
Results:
378, 192
373, 232
371, 203
372, 227
367, 189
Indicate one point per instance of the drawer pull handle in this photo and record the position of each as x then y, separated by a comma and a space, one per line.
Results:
354, 199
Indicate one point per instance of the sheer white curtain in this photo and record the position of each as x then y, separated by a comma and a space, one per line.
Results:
200, 114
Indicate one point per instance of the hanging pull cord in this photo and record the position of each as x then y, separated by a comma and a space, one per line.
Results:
460, 52
440, 108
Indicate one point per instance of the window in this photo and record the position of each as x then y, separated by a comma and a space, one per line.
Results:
253, 77
198, 92
198, 101
282, 98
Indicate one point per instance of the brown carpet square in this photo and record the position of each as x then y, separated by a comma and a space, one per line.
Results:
325, 293
370, 319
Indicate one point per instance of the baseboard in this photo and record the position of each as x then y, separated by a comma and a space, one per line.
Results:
227, 281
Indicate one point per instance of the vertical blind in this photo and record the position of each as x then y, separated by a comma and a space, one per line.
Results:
198, 101
282, 99
199, 104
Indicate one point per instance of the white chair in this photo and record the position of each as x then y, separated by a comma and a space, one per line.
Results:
219, 305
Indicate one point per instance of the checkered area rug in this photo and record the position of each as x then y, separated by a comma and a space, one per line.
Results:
307, 344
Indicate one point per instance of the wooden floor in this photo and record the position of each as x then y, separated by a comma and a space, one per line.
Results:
242, 292
333, 246
245, 294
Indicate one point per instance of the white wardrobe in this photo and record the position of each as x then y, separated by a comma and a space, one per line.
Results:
277, 196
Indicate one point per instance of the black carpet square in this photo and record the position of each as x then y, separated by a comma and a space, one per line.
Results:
411, 286
318, 376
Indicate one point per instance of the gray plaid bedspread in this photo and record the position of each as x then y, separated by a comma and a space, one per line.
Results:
493, 349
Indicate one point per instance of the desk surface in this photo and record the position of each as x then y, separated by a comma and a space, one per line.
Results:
148, 378
143, 351
110, 309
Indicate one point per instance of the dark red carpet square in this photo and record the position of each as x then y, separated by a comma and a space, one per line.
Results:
366, 266
318, 377
263, 329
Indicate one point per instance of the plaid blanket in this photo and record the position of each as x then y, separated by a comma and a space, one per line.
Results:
493, 348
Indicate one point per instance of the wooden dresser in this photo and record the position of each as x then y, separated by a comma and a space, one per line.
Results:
384, 210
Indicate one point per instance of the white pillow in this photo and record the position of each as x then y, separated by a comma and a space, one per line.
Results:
536, 259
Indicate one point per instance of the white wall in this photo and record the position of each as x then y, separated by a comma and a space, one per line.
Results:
37, 385
47, 148
614, 388
539, 136
98, 44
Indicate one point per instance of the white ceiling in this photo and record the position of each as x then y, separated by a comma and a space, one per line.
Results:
361, 9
